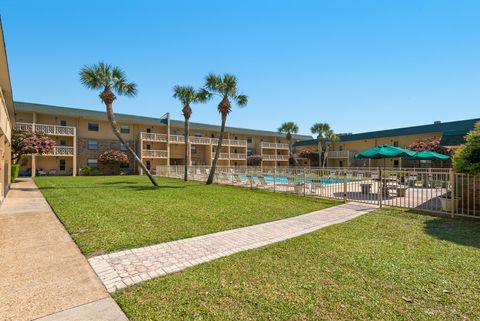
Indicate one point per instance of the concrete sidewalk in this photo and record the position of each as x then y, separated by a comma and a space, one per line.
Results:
42, 271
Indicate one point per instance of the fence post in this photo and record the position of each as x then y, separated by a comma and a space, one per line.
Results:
380, 187
345, 187
452, 184
304, 182
275, 179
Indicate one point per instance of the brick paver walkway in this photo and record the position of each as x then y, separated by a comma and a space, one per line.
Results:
120, 269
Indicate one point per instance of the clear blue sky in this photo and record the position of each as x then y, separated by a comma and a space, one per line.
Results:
358, 65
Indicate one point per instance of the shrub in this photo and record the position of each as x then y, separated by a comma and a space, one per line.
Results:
254, 160
113, 156
26, 142
88, 171
467, 157
15, 169
430, 145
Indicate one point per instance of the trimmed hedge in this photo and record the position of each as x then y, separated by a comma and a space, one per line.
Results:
15, 169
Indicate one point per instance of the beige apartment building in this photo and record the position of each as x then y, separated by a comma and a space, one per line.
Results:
341, 154
81, 135
7, 119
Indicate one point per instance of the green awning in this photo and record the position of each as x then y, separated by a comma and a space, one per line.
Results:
385, 151
428, 155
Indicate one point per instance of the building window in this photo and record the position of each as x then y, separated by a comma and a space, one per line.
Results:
212, 136
198, 135
340, 164
92, 162
149, 130
194, 149
92, 126
235, 151
92, 144
249, 140
396, 144
148, 164
122, 146
62, 164
124, 129
174, 132
396, 163
340, 147
249, 151
194, 162
149, 146
63, 123
236, 137
63, 142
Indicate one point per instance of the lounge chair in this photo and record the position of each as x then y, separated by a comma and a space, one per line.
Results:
238, 181
262, 183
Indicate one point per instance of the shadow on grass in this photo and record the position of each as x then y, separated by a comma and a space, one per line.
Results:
135, 188
460, 231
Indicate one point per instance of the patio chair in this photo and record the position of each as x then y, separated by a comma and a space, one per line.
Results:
237, 180
52, 172
262, 183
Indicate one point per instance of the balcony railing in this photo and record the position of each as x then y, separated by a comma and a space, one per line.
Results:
48, 129
154, 137
200, 140
221, 156
230, 142
275, 157
150, 153
238, 156
339, 154
177, 139
60, 151
274, 145
5, 124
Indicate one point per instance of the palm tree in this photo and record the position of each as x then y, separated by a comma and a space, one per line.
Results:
187, 95
225, 87
112, 79
289, 128
330, 137
320, 129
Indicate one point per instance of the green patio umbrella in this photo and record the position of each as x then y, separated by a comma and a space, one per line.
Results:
385, 151
428, 155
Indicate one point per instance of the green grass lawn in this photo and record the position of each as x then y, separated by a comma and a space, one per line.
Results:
389, 265
104, 214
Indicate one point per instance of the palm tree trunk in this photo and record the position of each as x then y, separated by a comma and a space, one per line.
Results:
217, 152
187, 148
319, 153
113, 124
325, 157
290, 150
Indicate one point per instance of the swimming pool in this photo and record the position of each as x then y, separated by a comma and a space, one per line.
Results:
284, 180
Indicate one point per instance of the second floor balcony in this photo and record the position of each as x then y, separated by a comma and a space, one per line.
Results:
154, 137
152, 153
60, 151
55, 130
273, 145
269, 157
340, 154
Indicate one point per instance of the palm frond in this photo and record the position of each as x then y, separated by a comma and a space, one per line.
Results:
241, 100
90, 78
288, 128
203, 95
320, 129
214, 83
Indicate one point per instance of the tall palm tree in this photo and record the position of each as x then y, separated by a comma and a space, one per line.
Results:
112, 79
320, 129
331, 138
288, 128
225, 87
188, 95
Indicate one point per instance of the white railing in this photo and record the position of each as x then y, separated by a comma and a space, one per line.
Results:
221, 156
150, 153
339, 154
5, 124
177, 139
60, 151
48, 129
275, 157
200, 140
238, 156
230, 142
153, 137
274, 145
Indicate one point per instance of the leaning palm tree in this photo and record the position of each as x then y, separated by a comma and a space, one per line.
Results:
187, 95
225, 87
112, 79
320, 129
331, 138
289, 128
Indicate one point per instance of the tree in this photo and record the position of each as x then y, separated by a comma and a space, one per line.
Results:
430, 145
225, 87
111, 79
113, 157
320, 129
254, 160
467, 158
187, 95
310, 154
27, 142
331, 138
289, 128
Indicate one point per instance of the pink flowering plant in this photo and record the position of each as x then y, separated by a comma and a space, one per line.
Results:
113, 157
430, 145
27, 142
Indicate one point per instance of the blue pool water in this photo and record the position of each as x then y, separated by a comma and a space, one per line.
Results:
284, 180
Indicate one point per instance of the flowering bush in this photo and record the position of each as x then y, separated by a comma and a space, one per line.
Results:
430, 145
254, 160
27, 142
113, 156
467, 157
